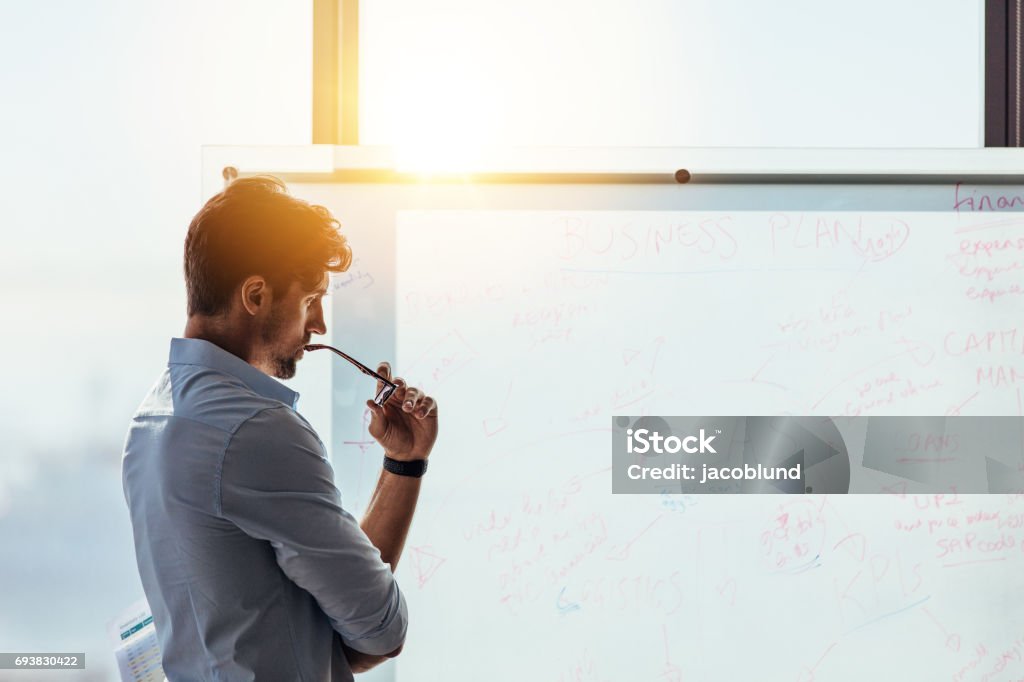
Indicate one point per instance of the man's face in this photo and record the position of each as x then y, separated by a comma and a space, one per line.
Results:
294, 317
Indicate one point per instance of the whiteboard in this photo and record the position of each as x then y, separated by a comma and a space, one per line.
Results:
534, 314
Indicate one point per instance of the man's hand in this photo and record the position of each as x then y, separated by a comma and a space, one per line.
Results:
358, 662
406, 425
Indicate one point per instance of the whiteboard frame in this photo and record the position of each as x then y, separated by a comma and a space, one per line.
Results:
340, 163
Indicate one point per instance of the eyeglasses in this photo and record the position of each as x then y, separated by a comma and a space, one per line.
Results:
387, 388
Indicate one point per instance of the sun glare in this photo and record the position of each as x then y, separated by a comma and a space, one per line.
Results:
443, 131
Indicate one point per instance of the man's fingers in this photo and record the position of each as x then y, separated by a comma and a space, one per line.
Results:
383, 369
411, 398
426, 406
399, 395
419, 403
406, 398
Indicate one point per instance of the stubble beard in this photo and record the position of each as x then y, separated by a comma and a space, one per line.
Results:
282, 365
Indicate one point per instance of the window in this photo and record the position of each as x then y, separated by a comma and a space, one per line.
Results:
877, 73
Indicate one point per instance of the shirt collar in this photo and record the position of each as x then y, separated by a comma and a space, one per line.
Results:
206, 354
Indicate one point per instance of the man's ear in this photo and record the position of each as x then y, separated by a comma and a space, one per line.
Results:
255, 294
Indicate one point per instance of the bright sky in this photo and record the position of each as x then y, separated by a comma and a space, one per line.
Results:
702, 73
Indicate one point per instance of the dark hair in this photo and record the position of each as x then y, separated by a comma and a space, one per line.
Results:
255, 227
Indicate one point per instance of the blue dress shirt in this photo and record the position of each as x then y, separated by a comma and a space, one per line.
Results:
252, 568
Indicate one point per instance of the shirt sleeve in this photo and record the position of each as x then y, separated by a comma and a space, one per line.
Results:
277, 485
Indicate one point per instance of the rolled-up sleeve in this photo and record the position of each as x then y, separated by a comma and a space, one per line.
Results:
277, 485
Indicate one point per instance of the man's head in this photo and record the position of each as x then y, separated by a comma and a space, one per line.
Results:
256, 268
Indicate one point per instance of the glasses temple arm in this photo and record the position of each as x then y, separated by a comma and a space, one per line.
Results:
363, 368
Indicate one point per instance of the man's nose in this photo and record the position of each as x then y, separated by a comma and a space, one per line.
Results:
316, 325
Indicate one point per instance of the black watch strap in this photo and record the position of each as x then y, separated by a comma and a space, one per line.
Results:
415, 468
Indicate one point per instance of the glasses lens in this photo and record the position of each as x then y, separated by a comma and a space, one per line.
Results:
384, 394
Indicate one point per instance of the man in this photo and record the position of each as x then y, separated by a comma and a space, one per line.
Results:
251, 566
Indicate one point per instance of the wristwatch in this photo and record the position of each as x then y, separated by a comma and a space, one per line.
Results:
414, 468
